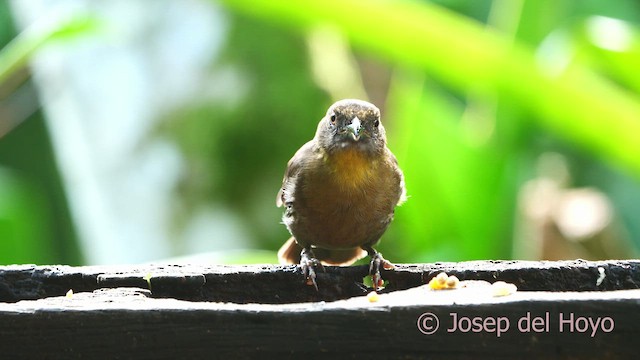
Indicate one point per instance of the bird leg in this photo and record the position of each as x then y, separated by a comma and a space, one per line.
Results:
374, 266
308, 263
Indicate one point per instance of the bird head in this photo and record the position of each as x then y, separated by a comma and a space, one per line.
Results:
352, 124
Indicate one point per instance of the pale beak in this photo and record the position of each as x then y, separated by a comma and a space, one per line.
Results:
354, 127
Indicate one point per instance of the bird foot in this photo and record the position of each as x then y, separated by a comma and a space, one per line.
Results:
308, 264
378, 261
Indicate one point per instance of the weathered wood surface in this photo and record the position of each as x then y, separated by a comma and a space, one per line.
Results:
243, 312
274, 284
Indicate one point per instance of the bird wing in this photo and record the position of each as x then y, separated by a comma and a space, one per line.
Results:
402, 191
293, 168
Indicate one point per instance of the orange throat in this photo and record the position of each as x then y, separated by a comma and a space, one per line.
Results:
351, 167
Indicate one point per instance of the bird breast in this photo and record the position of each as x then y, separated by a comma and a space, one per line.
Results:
350, 168
348, 201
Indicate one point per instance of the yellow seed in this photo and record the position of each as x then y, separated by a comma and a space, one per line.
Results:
433, 284
70, 294
501, 288
452, 282
373, 297
439, 281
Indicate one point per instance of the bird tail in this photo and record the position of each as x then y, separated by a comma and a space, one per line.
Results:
289, 253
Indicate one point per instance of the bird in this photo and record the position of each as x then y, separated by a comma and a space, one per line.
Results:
339, 193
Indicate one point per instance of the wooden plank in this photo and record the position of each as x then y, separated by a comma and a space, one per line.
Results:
113, 323
284, 284
113, 313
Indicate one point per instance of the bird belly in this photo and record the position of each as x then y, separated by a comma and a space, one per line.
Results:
331, 217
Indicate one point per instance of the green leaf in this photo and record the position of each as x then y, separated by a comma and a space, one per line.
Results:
18, 52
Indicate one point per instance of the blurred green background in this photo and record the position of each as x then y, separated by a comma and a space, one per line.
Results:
137, 131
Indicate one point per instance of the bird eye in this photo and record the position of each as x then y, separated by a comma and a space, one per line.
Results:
333, 118
376, 123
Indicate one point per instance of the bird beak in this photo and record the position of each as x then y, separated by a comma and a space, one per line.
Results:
354, 128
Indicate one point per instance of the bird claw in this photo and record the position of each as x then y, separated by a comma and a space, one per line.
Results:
378, 261
308, 264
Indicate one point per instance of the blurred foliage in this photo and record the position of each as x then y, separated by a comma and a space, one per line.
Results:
473, 94
16, 54
472, 106
35, 226
236, 153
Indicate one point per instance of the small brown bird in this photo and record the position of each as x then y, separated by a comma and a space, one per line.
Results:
339, 192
